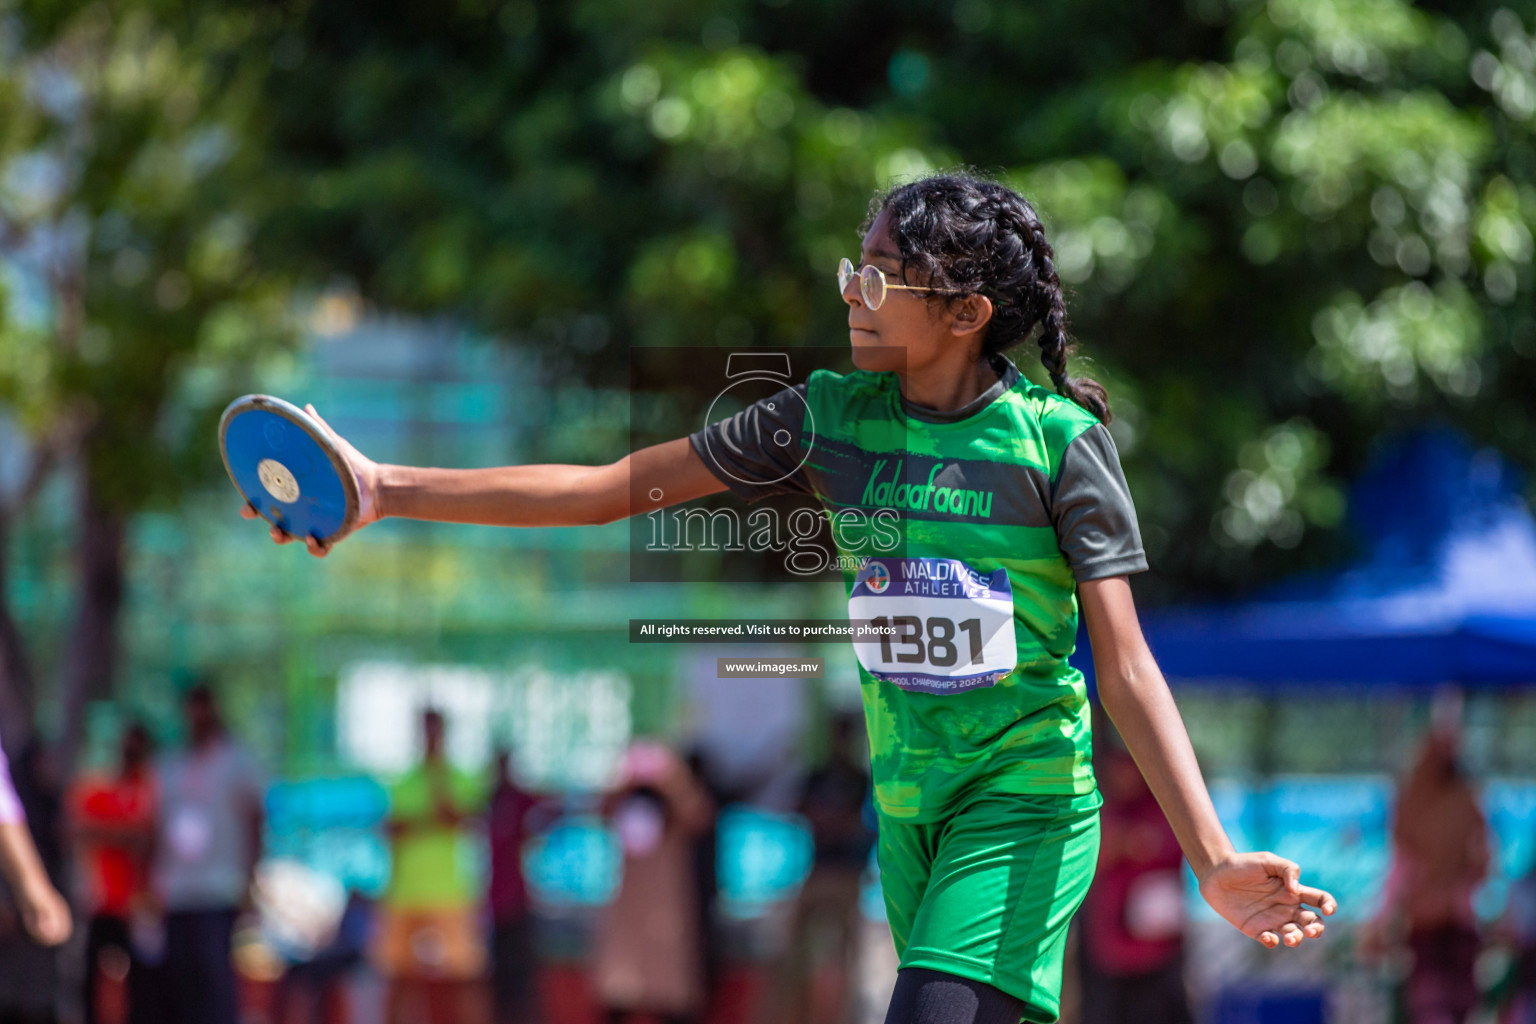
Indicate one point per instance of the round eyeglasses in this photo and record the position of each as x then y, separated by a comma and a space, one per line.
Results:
873, 285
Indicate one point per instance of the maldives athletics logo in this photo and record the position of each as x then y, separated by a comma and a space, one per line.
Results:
877, 577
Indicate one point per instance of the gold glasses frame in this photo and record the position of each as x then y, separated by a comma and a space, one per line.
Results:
873, 284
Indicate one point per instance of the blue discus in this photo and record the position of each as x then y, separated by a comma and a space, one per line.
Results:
286, 466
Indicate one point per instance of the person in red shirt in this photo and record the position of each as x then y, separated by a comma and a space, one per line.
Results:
112, 819
1133, 917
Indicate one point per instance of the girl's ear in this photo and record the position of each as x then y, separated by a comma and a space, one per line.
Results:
970, 314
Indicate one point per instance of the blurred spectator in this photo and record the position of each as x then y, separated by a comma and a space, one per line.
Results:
648, 957
1132, 963
429, 943
813, 974
513, 964
206, 847
1440, 855
44, 913
705, 860
112, 818
1518, 929
34, 918
29, 981
316, 979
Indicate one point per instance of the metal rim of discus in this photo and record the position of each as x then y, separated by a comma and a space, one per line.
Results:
305, 422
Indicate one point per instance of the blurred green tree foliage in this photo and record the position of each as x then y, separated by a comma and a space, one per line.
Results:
1288, 226
132, 298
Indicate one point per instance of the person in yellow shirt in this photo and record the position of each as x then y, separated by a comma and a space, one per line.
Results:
429, 943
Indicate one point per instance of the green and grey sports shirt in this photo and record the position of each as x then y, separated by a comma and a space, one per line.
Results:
964, 534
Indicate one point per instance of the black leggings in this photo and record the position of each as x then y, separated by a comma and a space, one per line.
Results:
933, 997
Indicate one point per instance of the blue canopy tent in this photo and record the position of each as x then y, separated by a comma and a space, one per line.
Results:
1446, 592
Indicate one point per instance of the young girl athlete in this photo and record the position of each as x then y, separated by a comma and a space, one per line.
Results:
1013, 497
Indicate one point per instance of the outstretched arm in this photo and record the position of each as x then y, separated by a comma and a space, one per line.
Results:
549, 495
1259, 893
537, 495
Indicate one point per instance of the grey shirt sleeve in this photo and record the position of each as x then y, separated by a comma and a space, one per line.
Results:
758, 452
1092, 510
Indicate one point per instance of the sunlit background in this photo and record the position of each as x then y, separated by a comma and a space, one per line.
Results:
1297, 236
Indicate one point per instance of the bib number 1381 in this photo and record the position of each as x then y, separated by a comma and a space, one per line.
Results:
940, 626
931, 641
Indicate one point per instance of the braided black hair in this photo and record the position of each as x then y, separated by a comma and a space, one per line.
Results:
969, 234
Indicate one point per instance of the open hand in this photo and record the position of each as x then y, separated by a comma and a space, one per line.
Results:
1262, 896
363, 468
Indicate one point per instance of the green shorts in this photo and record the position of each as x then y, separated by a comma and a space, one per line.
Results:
987, 893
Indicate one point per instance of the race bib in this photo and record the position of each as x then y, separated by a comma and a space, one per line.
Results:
946, 627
